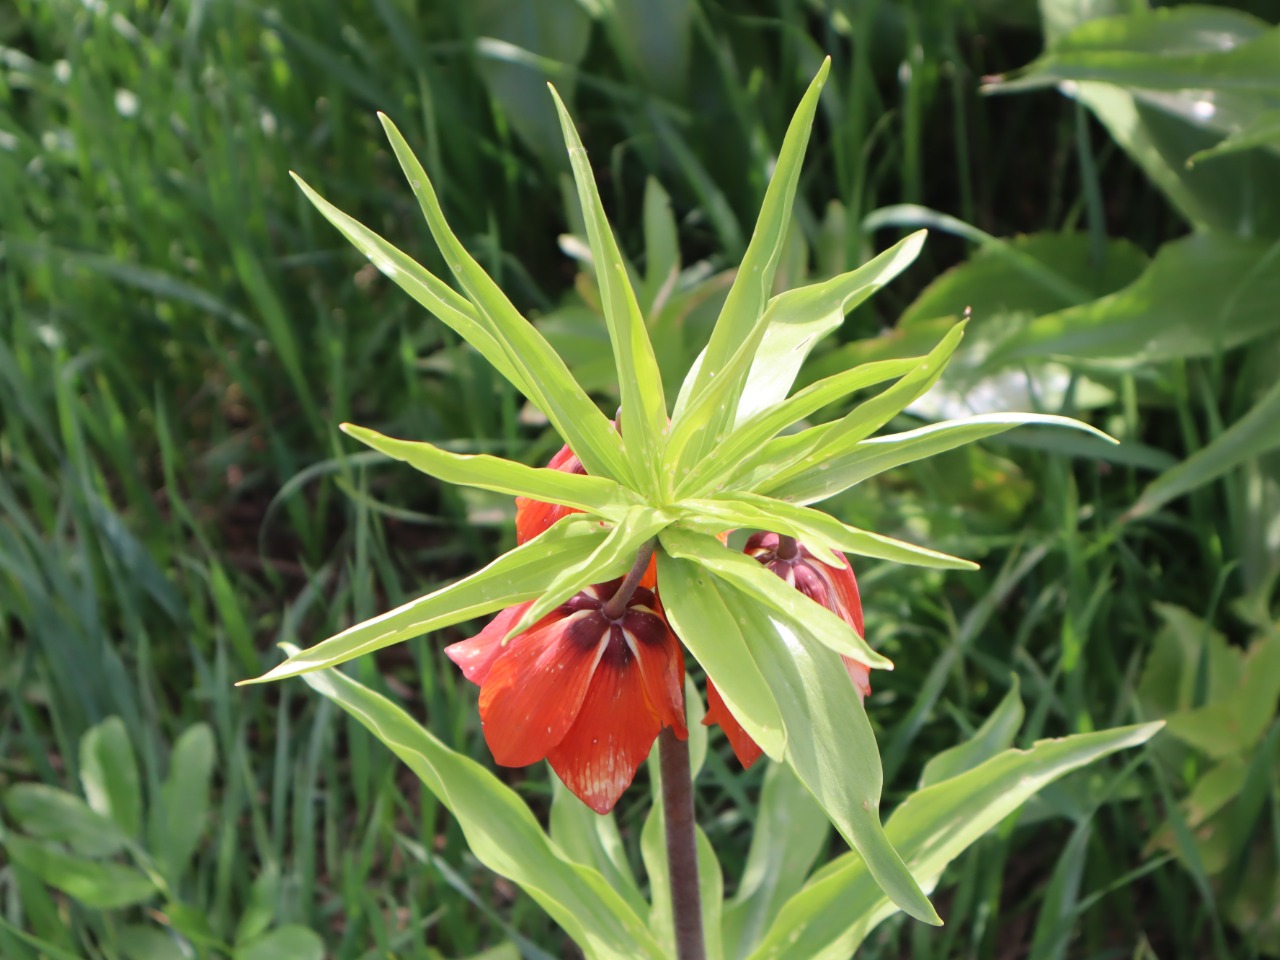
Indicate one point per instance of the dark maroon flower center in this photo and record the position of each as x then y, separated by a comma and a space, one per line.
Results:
639, 624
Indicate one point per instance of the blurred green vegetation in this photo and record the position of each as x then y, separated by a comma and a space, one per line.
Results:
182, 334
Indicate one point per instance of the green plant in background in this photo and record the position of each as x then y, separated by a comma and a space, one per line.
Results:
659, 487
76, 846
1219, 703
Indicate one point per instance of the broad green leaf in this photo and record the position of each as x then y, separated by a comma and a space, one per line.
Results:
710, 885
180, 819
552, 388
878, 454
747, 438
613, 558
48, 951
47, 813
740, 325
260, 908
817, 529
100, 885
597, 495
148, 943
1201, 295
292, 942
499, 829
1249, 437
830, 744
786, 457
790, 832
450, 307
699, 608
995, 735
516, 576
764, 587
643, 417
109, 775
798, 319
842, 904
1261, 130
593, 840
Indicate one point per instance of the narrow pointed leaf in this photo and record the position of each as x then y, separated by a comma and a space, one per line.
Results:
830, 744
521, 574
695, 603
798, 319
551, 387
592, 839
747, 438
612, 558
994, 736
787, 457
499, 828
653, 852
748, 575
842, 903
644, 409
816, 528
598, 495
878, 454
447, 304
740, 320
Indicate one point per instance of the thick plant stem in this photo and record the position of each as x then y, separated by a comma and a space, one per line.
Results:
682, 845
617, 604
787, 548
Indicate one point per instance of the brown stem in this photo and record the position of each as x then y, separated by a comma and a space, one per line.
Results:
682, 845
787, 548
617, 604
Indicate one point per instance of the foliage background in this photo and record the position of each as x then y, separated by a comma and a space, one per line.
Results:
181, 335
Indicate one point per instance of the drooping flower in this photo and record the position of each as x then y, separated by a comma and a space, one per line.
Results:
587, 691
833, 587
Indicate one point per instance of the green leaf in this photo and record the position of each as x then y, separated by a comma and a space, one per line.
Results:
786, 457
830, 744
450, 307
47, 813
593, 840
260, 908
1248, 438
283, 943
148, 943
841, 904
643, 417
180, 819
613, 558
1260, 130
789, 834
516, 576
878, 454
48, 951
97, 884
715, 383
700, 611
817, 529
747, 438
796, 320
995, 734
661, 249
751, 577
597, 495
109, 775
499, 829
1200, 296
551, 387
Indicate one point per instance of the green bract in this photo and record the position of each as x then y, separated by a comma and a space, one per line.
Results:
722, 461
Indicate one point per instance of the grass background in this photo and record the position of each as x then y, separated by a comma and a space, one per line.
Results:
182, 333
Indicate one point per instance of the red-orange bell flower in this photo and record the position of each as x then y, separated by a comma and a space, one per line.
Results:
833, 587
587, 692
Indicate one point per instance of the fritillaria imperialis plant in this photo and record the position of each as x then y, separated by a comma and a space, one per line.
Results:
624, 574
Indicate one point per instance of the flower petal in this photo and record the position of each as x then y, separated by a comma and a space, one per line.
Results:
475, 655
612, 736
860, 674
533, 517
744, 748
660, 662
848, 602
535, 688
